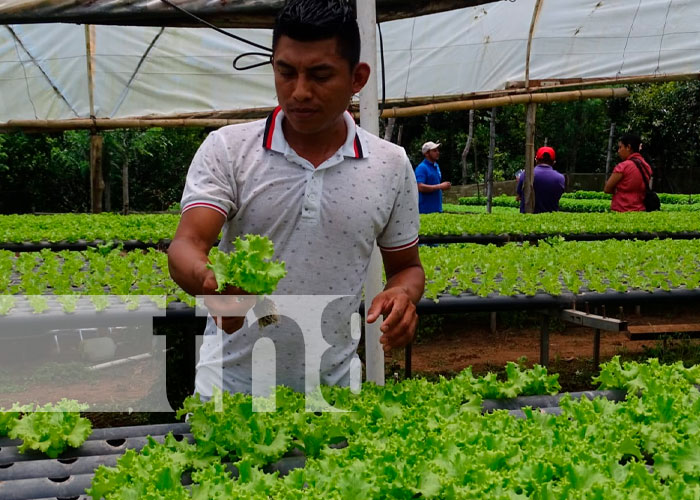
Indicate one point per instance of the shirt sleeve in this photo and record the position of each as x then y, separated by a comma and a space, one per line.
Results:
401, 231
519, 189
421, 174
210, 179
622, 167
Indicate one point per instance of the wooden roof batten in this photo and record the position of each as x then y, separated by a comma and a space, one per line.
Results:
223, 13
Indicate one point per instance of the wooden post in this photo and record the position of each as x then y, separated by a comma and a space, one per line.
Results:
492, 152
544, 339
596, 349
389, 130
90, 55
125, 184
533, 23
107, 177
611, 139
530, 118
97, 183
528, 191
465, 151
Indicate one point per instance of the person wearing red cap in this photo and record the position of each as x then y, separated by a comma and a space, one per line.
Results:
626, 183
548, 184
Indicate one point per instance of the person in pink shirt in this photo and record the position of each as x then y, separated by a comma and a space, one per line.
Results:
626, 183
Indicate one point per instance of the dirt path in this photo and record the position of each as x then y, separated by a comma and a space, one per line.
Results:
461, 344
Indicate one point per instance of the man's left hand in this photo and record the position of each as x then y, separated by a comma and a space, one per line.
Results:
400, 318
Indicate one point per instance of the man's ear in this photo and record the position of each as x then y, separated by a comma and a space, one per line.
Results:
360, 75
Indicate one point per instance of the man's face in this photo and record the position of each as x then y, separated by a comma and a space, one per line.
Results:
314, 83
433, 155
623, 151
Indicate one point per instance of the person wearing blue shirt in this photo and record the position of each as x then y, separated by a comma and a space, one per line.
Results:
429, 179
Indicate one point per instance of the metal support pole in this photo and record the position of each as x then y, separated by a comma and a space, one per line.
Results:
544, 340
407, 365
369, 120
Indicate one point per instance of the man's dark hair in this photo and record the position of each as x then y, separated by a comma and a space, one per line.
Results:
547, 159
631, 140
313, 20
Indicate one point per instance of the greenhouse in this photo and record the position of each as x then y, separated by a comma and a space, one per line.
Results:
554, 354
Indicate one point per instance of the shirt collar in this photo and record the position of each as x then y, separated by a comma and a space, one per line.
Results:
274, 140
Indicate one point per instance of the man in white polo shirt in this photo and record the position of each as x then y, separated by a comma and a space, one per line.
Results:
322, 189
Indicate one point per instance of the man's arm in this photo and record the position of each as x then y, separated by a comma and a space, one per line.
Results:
188, 256
430, 188
189, 251
404, 288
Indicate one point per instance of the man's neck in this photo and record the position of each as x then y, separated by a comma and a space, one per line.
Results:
316, 147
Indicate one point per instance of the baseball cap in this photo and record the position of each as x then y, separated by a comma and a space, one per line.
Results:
429, 146
543, 150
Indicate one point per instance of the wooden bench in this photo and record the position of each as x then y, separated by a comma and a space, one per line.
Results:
655, 332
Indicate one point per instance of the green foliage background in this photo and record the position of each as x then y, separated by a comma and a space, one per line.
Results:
50, 172
666, 115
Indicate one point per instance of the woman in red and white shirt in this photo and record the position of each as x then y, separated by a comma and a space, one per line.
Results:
626, 183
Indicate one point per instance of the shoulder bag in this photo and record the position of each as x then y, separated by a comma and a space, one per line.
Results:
651, 199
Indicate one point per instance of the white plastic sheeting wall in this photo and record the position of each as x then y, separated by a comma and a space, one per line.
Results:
451, 53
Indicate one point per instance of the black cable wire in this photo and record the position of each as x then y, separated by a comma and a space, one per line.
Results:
216, 28
267, 53
251, 66
269, 50
381, 55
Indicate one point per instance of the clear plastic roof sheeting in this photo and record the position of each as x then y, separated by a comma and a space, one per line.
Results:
163, 71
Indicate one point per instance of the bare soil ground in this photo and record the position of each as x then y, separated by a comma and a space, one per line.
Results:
119, 386
463, 341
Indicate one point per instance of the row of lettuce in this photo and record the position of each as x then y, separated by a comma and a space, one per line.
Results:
666, 198
152, 228
551, 266
590, 202
432, 440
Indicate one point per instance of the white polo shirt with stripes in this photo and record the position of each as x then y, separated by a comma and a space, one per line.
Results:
323, 222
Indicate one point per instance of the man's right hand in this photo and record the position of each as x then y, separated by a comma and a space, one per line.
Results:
187, 259
228, 307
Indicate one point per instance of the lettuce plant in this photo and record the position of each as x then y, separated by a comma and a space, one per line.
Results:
249, 267
52, 428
